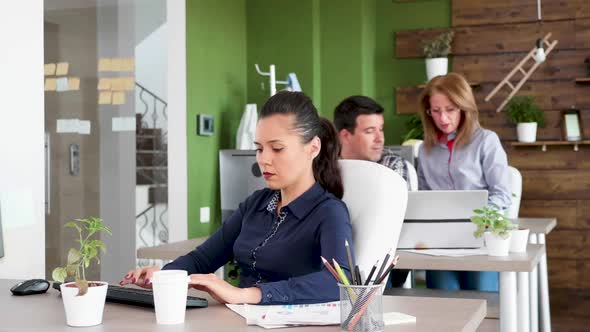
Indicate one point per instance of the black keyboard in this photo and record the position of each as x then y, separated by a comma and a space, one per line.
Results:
141, 297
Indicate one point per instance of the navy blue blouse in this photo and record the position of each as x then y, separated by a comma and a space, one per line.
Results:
279, 254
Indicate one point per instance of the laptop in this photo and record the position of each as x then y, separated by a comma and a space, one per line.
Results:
141, 297
440, 219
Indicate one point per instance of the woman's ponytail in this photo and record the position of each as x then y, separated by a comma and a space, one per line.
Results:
325, 166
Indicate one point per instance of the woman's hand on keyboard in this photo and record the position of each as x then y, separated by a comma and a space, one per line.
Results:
224, 292
141, 277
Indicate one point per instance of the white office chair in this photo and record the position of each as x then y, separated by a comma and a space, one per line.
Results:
412, 176
516, 193
415, 144
376, 198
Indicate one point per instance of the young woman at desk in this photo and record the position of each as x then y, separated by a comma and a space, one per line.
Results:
278, 234
457, 154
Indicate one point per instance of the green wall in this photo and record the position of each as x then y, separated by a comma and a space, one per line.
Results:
393, 72
337, 48
216, 84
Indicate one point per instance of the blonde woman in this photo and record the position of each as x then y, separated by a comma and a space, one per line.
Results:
457, 154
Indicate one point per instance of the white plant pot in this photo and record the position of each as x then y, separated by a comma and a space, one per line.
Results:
85, 310
496, 245
436, 67
519, 239
526, 132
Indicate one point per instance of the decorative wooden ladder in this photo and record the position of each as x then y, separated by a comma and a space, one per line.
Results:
519, 68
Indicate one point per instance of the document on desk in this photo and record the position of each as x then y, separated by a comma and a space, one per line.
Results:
277, 316
450, 252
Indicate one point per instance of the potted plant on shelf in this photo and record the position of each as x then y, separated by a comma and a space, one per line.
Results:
495, 228
436, 52
83, 300
522, 111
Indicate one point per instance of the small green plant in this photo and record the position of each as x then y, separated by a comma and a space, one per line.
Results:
414, 127
439, 47
522, 109
79, 259
492, 220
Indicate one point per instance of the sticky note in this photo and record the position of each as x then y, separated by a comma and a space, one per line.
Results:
104, 64
117, 84
118, 98
50, 84
124, 123
104, 83
62, 84
73, 83
128, 83
49, 69
104, 97
62, 68
84, 127
128, 64
116, 64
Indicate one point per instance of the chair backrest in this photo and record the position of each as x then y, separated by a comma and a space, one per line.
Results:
412, 176
376, 197
516, 192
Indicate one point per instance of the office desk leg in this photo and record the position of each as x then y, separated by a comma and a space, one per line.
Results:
508, 313
534, 292
544, 287
523, 302
409, 280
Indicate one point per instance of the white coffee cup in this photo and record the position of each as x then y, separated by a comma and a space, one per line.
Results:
170, 292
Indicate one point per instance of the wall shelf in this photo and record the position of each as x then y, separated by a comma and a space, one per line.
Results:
472, 84
583, 80
544, 144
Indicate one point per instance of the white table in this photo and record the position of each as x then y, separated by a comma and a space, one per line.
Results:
45, 312
508, 267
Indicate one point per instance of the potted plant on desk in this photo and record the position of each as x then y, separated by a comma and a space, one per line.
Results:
495, 228
83, 300
522, 111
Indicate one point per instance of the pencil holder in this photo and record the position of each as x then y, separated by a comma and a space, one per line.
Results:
361, 308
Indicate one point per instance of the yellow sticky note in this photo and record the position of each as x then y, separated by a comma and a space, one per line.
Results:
73, 83
116, 64
49, 69
128, 64
104, 64
50, 84
118, 98
117, 84
62, 69
128, 83
104, 83
104, 97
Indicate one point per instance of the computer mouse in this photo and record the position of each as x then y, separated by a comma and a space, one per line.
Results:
30, 287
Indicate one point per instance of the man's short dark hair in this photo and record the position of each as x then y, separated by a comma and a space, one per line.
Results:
350, 108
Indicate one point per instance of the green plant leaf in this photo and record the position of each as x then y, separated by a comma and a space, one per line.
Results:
72, 224
73, 256
59, 274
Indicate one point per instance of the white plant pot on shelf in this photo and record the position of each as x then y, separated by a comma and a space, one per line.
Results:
436, 67
85, 310
519, 239
526, 132
496, 245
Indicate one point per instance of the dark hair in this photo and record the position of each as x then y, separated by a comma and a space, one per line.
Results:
309, 124
350, 108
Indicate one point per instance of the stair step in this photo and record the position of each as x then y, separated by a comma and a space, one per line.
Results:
155, 158
151, 175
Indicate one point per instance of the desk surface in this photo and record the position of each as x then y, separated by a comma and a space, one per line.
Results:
45, 312
173, 250
537, 225
524, 262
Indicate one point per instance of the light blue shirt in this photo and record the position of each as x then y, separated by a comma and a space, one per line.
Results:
480, 164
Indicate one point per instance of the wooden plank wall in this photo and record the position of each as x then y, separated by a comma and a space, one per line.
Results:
490, 38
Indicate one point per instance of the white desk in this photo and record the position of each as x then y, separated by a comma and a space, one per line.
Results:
507, 266
45, 313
